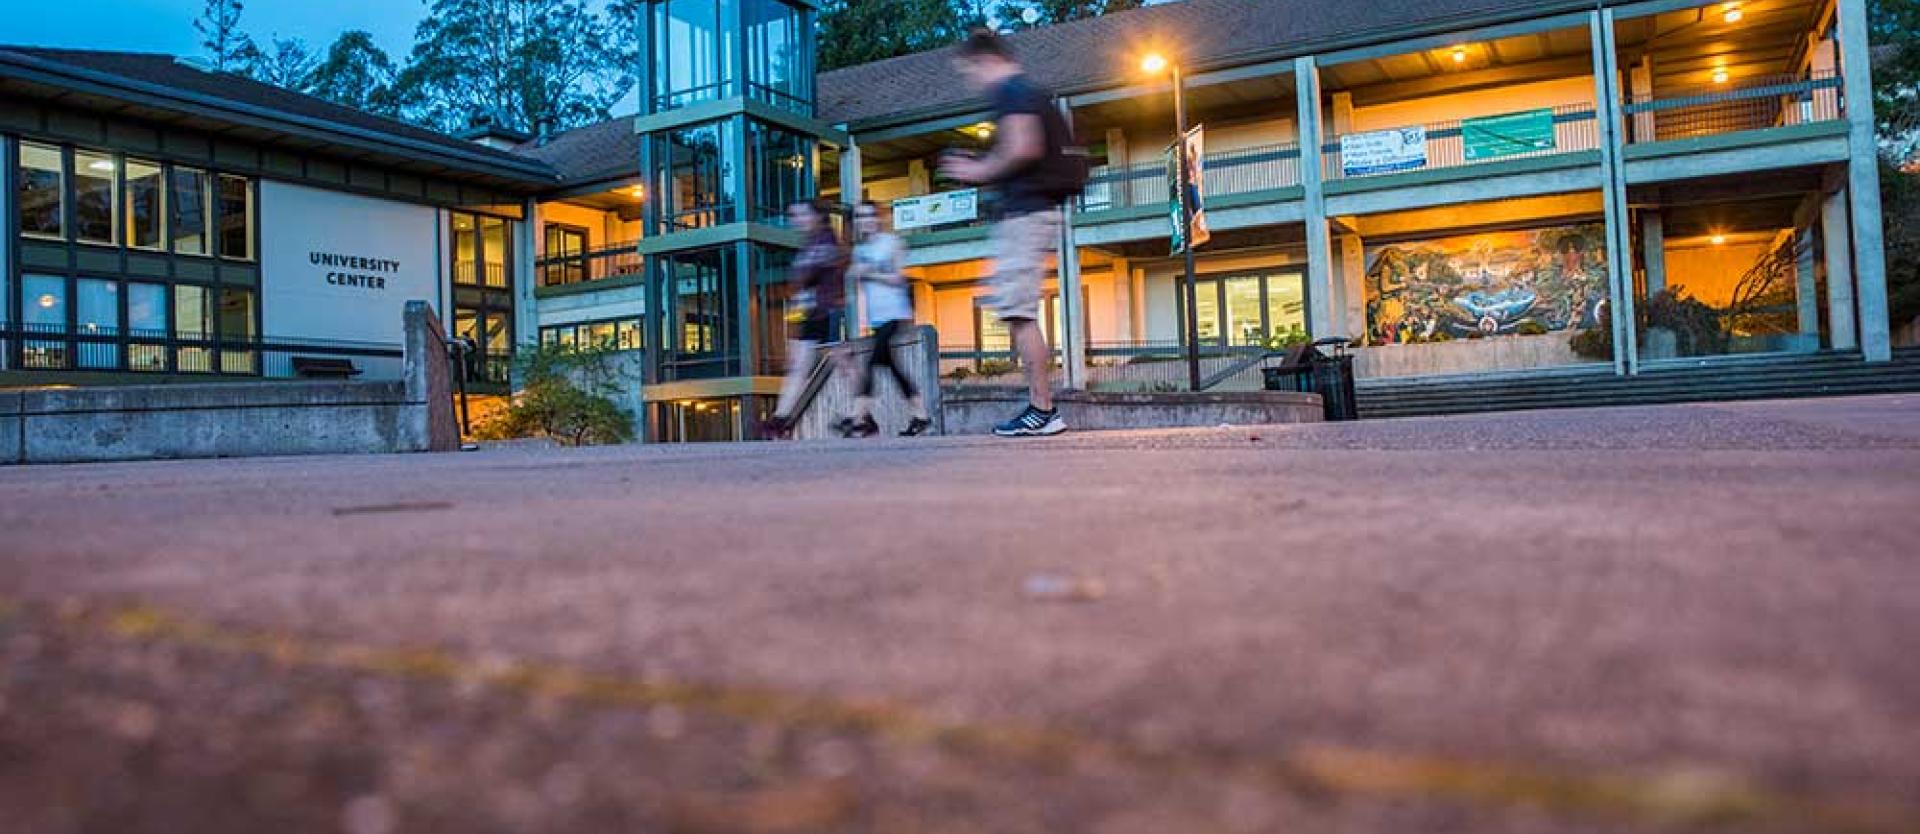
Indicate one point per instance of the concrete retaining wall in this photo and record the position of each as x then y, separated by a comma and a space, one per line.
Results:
240, 419
917, 351
977, 410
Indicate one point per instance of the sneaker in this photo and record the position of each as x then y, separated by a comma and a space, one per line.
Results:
845, 426
918, 426
775, 428
1032, 423
864, 428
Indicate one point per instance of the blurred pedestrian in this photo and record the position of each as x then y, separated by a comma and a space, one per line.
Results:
818, 284
879, 261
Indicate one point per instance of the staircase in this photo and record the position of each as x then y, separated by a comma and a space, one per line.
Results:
1719, 379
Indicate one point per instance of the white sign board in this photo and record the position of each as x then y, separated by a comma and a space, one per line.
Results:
936, 209
342, 267
1383, 151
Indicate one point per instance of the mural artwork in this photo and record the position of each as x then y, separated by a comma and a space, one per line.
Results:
1476, 286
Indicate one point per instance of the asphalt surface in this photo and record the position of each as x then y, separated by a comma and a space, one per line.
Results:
1691, 618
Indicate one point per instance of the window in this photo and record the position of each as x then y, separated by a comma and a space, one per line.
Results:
696, 314
94, 198
780, 162
466, 250
145, 212
146, 319
564, 247
235, 201
493, 251
236, 331
779, 60
97, 315
188, 187
193, 322
1247, 310
43, 312
696, 182
42, 191
693, 51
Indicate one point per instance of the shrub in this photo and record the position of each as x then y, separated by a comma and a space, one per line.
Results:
1593, 343
567, 395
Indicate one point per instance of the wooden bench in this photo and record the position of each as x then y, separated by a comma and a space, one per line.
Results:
324, 367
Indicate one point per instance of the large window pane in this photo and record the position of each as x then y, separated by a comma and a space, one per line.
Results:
193, 321
779, 68
147, 319
692, 51
695, 183
189, 204
780, 161
236, 217
493, 250
41, 191
236, 327
43, 311
146, 197
95, 197
466, 250
97, 313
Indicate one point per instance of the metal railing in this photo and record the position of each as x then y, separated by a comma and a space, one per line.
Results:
1752, 103
470, 272
1576, 127
111, 350
613, 260
1157, 365
1242, 171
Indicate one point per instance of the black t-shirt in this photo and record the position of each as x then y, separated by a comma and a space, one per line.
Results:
1020, 191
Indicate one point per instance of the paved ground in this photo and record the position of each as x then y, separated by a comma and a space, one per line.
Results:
1651, 619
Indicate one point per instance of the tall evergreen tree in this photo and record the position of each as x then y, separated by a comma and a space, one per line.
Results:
356, 72
858, 31
219, 26
285, 62
520, 62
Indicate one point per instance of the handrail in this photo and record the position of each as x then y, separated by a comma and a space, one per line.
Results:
1768, 90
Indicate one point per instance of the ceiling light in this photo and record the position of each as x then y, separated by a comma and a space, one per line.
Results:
1154, 64
1459, 54
47, 301
638, 192
1731, 13
101, 165
983, 130
1720, 75
1718, 239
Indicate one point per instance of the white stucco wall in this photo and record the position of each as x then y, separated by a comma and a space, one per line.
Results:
302, 300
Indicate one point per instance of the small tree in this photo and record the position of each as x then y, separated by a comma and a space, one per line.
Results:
567, 396
219, 27
286, 63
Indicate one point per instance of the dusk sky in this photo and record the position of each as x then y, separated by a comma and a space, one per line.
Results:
167, 25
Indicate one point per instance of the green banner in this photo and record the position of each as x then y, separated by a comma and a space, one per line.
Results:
1508, 134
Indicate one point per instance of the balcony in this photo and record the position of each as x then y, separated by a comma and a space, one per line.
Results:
1754, 103
1458, 143
1242, 171
617, 260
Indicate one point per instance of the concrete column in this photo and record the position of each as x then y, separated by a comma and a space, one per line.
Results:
1119, 156
1642, 81
1840, 303
1137, 290
1342, 113
1806, 285
1319, 300
1653, 245
919, 182
1073, 343
852, 188
1614, 192
1123, 300
1863, 185
1353, 286
526, 312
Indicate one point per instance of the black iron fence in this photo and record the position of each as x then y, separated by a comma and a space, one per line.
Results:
40, 347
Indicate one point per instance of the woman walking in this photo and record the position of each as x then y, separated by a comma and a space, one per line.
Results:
819, 293
878, 260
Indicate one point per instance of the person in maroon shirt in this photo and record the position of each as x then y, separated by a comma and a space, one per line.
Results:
818, 281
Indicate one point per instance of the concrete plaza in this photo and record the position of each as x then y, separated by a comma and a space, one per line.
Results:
1642, 619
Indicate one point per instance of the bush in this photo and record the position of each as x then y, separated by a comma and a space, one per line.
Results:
567, 395
1593, 343
1696, 326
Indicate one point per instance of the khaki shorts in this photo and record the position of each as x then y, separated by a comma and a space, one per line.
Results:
1021, 245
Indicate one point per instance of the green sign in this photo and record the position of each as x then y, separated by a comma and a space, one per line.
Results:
1508, 134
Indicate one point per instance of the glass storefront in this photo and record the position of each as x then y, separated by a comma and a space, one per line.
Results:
1263, 308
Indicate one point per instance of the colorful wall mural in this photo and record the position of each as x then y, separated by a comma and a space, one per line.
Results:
1472, 286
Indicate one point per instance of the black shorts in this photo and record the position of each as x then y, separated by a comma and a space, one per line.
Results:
816, 328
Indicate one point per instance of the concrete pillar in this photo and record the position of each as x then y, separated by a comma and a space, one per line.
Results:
919, 182
1822, 62
1119, 156
852, 187
1319, 300
1123, 301
1840, 303
1806, 290
1137, 290
1614, 192
1863, 185
1342, 113
526, 312
1653, 246
1642, 85
1073, 343
1353, 286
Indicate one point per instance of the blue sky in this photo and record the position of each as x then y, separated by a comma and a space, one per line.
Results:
167, 25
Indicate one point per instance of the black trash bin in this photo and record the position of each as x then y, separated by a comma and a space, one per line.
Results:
1311, 370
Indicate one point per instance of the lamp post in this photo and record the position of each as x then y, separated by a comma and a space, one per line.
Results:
1154, 65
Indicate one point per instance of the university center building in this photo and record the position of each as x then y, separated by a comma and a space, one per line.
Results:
1460, 186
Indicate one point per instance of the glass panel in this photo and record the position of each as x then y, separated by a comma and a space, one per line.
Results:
94, 197
1286, 309
493, 250
780, 161
466, 250
146, 215
1245, 322
696, 183
193, 321
97, 313
629, 335
42, 191
600, 335
1731, 278
778, 64
189, 205
697, 318
693, 51
147, 319
236, 217
43, 310
236, 328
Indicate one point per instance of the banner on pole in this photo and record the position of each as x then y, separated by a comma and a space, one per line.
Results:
1196, 189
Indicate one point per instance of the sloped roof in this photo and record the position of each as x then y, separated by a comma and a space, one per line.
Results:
165, 76
605, 150
1103, 51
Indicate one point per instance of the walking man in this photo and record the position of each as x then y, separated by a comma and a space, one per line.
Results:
818, 296
1031, 166
878, 262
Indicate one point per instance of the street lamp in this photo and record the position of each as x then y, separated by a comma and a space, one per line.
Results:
1154, 64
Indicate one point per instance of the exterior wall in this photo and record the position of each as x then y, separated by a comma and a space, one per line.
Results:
304, 301
1488, 102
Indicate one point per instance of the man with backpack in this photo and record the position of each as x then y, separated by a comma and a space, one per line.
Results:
1036, 169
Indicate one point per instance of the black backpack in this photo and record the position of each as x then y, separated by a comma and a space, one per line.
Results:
1062, 173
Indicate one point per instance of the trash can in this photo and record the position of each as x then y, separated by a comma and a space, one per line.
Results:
1311, 370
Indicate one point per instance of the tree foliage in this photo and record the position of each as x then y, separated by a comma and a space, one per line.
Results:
1896, 75
520, 62
219, 26
356, 72
859, 31
284, 62
568, 396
